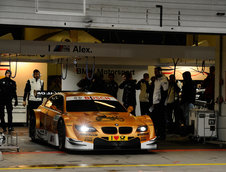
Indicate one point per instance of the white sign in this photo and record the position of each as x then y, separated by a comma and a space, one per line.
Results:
105, 50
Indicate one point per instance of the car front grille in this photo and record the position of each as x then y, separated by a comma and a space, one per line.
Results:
125, 130
114, 130
109, 130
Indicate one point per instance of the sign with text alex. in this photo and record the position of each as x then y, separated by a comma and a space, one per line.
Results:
60, 49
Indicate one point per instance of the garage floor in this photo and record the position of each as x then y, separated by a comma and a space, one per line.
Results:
175, 154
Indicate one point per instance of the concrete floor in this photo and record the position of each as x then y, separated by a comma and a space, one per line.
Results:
175, 154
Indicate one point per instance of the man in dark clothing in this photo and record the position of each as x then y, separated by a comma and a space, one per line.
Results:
7, 93
209, 84
111, 86
129, 93
97, 83
32, 86
187, 96
85, 83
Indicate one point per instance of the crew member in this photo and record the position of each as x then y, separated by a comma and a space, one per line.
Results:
143, 86
85, 83
208, 84
129, 93
159, 99
111, 85
32, 86
187, 96
7, 93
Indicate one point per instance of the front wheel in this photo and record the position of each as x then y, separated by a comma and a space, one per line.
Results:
61, 134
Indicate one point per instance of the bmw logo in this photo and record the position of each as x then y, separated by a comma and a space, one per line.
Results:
116, 124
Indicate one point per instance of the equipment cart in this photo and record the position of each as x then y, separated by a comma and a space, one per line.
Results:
9, 141
204, 123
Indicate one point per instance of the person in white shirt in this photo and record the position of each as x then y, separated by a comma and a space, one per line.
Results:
32, 86
159, 101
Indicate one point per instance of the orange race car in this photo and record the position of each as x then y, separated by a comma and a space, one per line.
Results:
90, 121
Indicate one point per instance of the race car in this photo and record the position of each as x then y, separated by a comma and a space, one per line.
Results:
90, 121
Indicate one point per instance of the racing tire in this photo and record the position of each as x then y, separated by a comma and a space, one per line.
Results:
61, 134
32, 128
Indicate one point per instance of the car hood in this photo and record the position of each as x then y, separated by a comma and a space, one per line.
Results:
105, 118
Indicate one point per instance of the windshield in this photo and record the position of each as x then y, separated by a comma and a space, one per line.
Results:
93, 103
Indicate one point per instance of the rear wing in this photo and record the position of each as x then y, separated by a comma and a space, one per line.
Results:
44, 94
47, 94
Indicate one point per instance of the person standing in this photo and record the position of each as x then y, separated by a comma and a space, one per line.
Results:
32, 86
129, 92
98, 83
111, 86
209, 84
85, 83
7, 93
143, 86
187, 96
150, 92
159, 100
172, 102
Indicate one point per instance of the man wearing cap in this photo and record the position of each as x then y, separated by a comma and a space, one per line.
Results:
7, 93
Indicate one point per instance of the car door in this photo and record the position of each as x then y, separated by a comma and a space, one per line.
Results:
55, 107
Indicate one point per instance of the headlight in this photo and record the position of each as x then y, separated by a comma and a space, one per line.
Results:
84, 128
142, 129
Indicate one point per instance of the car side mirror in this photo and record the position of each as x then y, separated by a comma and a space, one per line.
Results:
130, 109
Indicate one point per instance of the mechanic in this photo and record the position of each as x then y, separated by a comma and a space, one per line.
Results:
7, 93
111, 86
32, 86
159, 101
143, 86
129, 93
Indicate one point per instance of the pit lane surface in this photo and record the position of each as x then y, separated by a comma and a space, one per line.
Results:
175, 154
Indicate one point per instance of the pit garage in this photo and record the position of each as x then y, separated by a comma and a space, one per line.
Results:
65, 53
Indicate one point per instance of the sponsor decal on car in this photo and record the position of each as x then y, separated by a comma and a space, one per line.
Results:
109, 118
88, 139
71, 98
118, 138
143, 134
85, 134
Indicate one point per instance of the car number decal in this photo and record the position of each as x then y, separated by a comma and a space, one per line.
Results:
118, 138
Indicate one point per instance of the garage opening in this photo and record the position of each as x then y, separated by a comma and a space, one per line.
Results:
64, 64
